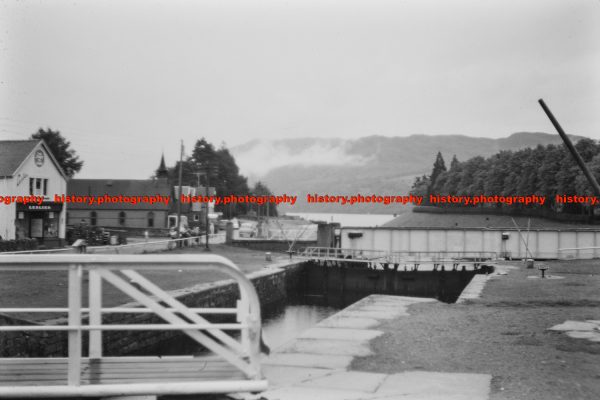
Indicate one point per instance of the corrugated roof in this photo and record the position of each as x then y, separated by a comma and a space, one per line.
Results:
12, 154
451, 220
116, 187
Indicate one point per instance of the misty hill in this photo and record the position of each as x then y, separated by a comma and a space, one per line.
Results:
370, 165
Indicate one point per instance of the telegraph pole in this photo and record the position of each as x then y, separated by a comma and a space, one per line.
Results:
206, 204
180, 189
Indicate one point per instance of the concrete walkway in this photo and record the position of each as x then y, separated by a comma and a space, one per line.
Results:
317, 364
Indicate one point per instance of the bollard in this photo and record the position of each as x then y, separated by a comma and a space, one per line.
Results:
529, 263
268, 256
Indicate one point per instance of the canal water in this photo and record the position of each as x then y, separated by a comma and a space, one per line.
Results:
282, 326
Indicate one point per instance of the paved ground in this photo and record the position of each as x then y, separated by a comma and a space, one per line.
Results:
507, 339
505, 334
49, 289
318, 364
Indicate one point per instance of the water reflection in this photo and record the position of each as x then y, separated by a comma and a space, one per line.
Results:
287, 323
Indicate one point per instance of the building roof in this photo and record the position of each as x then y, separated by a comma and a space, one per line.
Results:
421, 219
12, 154
116, 187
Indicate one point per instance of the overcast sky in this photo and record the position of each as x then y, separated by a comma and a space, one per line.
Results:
125, 80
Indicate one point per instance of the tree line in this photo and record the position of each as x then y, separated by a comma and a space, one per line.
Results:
544, 170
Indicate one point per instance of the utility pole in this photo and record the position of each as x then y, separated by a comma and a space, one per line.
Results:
266, 225
207, 203
180, 189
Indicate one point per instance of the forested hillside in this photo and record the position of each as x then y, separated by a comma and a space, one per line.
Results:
544, 170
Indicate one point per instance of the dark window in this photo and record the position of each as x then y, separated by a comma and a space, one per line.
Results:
45, 187
30, 185
122, 218
93, 218
150, 219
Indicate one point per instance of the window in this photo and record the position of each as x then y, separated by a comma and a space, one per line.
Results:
150, 219
122, 218
93, 218
45, 187
35, 186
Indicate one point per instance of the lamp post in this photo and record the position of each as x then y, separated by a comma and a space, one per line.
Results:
179, 243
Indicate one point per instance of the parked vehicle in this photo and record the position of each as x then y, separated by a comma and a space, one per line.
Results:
222, 224
247, 229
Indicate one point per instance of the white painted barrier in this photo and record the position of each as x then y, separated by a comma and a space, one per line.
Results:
542, 243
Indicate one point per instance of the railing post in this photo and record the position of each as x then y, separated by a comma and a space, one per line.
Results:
74, 320
242, 317
95, 316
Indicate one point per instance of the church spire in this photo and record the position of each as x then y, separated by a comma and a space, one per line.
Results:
162, 172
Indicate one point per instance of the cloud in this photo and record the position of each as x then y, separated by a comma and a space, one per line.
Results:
264, 156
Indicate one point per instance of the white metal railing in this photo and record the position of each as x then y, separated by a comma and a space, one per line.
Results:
395, 257
441, 256
339, 253
121, 271
132, 248
571, 253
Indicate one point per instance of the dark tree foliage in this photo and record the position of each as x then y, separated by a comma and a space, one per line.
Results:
454, 163
260, 189
219, 169
421, 186
544, 170
439, 166
61, 149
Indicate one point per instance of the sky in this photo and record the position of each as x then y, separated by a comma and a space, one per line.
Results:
127, 80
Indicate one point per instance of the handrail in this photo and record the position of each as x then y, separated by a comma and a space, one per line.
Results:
366, 255
579, 248
112, 268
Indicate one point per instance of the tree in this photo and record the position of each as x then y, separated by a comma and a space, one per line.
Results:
61, 150
222, 172
260, 189
454, 163
420, 187
439, 166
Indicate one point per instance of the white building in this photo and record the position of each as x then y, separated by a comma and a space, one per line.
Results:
27, 167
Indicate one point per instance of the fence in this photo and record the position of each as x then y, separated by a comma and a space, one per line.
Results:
141, 247
98, 375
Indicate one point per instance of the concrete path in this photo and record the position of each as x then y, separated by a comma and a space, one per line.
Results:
317, 364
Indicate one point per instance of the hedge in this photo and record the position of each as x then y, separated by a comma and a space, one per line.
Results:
17, 245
